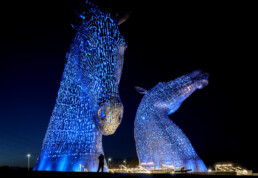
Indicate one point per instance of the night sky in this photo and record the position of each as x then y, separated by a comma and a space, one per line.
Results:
164, 41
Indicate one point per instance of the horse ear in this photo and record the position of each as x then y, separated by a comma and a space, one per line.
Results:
124, 18
140, 90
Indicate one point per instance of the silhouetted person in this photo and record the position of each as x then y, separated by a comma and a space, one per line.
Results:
183, 169
101, 162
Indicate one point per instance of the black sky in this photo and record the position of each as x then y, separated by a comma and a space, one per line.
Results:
165, 41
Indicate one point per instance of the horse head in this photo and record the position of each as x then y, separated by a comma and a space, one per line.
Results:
101, 51
176, 91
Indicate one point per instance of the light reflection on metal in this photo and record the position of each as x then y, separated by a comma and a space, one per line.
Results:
158, 139
88, 103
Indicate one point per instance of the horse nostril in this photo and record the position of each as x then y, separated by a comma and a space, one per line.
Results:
101, 113
204, 76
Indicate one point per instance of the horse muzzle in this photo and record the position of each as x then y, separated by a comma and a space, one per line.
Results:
109, 117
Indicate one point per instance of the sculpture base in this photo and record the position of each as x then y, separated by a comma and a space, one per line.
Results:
69, 163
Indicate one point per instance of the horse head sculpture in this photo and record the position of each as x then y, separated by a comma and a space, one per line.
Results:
158, 139
88, 103
100, 65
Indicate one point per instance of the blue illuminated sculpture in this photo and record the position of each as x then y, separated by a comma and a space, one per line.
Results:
88, 103
159, 141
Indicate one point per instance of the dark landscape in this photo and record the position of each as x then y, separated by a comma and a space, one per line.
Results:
164, 41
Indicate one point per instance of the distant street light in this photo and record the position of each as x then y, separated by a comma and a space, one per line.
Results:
28, 155
109, 159
125, 162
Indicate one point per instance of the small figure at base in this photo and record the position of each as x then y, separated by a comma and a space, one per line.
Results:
101, 162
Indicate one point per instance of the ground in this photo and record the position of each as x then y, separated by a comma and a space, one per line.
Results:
26, 173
